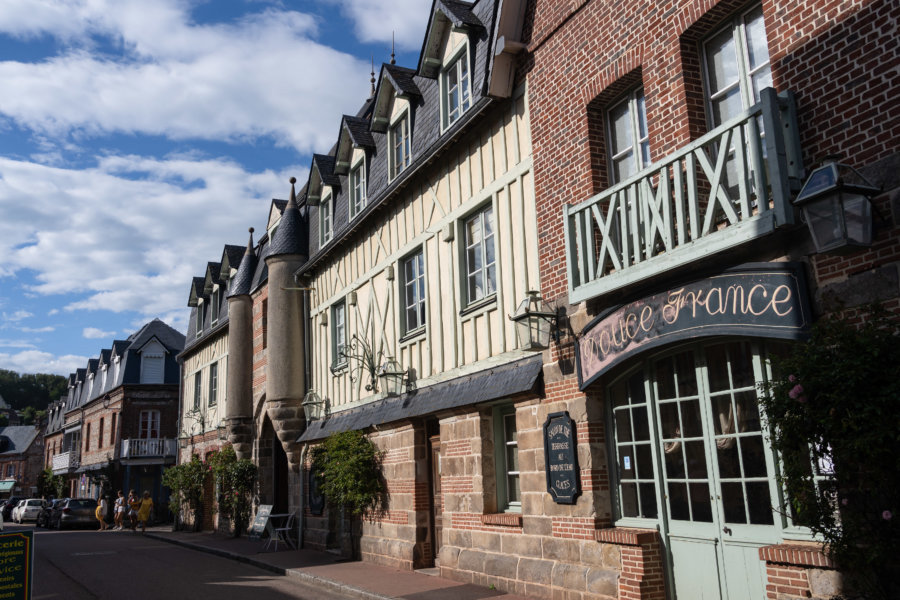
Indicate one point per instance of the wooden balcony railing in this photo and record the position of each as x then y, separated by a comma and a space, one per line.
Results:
700, 200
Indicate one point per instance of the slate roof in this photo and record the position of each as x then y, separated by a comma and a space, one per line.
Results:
358, 130
212, 270
459, 13
403, 80
233, 254
243, 279
170, 338
292, 234
506, 380
324, 164
17, 438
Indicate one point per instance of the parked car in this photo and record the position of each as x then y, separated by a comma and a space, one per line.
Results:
27, 510
43, 518
10, 504
74, 511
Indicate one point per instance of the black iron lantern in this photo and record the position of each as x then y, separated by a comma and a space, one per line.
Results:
836, 202
535, 322
222, 431
392, 376
313, 406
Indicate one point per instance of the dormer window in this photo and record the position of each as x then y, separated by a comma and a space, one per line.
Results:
357, 188
199, 316
214, 304
326, 223
455, 88
400, 146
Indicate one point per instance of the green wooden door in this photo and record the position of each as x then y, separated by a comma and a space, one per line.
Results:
714, 473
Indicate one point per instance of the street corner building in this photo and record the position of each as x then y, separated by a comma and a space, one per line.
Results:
116, 427
543, 270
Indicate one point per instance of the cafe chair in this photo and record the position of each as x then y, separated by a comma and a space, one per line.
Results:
283, 534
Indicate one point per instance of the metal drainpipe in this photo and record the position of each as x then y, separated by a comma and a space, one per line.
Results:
302, 496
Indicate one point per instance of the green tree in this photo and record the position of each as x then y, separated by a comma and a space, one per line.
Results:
236, 479
348, 468
185, 482
49, 484
833, 412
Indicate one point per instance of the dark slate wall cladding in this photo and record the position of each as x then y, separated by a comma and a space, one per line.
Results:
425, 124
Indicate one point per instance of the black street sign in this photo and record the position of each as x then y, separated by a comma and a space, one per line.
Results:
561, 458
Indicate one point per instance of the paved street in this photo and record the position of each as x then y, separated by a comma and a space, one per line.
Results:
89, 565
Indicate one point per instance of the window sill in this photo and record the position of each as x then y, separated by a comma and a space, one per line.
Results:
413, 335
502, 519
479, 305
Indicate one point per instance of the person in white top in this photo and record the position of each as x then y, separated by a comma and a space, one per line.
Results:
101, 513
120, 511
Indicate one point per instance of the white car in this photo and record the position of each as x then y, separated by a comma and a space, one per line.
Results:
27, 510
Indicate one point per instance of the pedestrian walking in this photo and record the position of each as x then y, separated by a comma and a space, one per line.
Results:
100, 513
120, 511
144, 511
134, 503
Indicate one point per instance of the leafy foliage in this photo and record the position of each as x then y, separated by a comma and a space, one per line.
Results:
186, 484
834, 407
236, 479
348, 469
36, 390
49, 484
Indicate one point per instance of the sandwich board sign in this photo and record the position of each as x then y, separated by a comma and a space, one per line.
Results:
16, 564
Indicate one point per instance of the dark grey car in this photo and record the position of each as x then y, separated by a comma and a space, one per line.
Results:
74, 512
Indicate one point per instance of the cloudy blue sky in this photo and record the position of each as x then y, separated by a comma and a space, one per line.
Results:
137, 137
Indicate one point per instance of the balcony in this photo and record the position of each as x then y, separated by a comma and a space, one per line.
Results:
698, 201
65, 462
149, 448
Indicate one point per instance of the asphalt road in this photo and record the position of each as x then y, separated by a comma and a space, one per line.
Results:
89, 565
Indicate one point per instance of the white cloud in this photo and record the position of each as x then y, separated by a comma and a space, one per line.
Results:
92, 333
16, 316
128, 244
35, 361
376, 20
16, 344
265, 75
46, 329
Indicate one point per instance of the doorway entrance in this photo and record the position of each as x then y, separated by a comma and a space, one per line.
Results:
692, 455
437, 501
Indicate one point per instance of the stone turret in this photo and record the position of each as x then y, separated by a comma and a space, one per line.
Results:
285, 371
239, 401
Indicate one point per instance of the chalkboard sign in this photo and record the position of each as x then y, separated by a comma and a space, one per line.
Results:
261, 521
561, 458
17, 567
316, 497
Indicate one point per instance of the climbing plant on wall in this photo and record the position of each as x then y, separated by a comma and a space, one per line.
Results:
834, 412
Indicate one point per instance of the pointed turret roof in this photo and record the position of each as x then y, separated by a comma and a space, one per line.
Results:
243, 279
291, 236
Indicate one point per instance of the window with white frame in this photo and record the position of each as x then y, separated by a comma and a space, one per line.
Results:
455, 87
338, 334
149, 424
414, 291
629, 143
506, 457
199, 316
198, 383
357, 188
326, 229
481, 269
736, 60
400, 147
213, 384
214, 305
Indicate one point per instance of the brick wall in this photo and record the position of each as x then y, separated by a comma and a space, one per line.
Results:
260, 302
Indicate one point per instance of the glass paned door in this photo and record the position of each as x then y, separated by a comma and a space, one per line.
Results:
715, 474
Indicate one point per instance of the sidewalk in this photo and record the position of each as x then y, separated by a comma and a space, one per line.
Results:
359, 579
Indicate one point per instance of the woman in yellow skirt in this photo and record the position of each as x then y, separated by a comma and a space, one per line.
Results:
144, 511
100, 513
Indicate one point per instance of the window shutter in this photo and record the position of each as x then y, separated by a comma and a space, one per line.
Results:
152, 369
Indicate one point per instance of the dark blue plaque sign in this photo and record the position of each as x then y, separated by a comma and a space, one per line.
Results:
561, 458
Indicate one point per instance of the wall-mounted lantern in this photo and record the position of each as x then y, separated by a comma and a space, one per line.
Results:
313, 406
392, 376
836, 202
222, 431
535, 322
